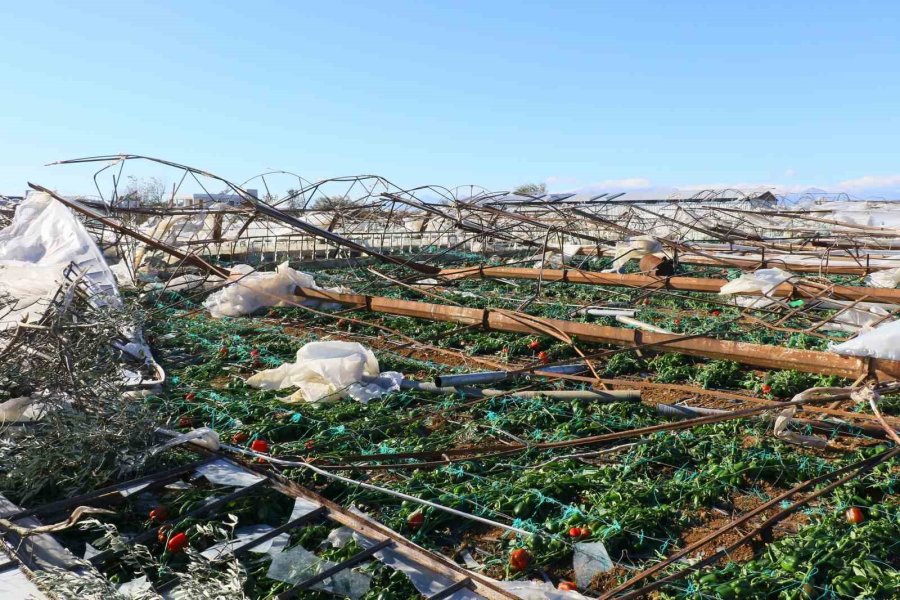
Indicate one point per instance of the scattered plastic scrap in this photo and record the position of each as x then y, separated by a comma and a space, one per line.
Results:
761, 280
590, 560
243, 536
251, 291
426, 581
223, 472
297, 564
326, 371
634, 248
880, 342
538, 590
781, 431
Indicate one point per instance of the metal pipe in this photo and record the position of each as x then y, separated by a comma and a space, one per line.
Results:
495, 376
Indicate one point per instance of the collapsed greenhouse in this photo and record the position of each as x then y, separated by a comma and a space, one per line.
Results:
349, 389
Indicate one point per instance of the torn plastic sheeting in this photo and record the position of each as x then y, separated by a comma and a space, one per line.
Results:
42, 550
134, 488
223, 472
862, 315
429, 582
21, 410
302, 506
327, 371
43, 238
15, 585
538, 590
136, 588
297, 564
243, 536
426, 581
251, 291
590, 559
880, 342
889, 278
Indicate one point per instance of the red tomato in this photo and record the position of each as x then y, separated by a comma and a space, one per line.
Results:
585, 532
716, 312
190, 396
310, 444
259, 445
415, 520
766, 388
568, 586
223, 352
575, 532
542, 356
534, 344
855, 515
239, 438
677, 321
254, 352
159, 514
177, 542
519, 559
185, 422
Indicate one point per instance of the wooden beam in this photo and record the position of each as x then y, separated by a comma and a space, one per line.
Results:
757, 355
649, 282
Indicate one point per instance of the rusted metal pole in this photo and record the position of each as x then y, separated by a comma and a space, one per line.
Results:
192, 259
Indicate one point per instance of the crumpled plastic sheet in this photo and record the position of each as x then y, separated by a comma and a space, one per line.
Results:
881, 342
326, 371
223, 472
251, 291
202, 436
761, 280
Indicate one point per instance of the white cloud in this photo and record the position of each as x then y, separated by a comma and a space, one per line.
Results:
870, 182
789, 172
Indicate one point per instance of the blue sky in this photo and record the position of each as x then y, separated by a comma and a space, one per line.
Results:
605, 95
